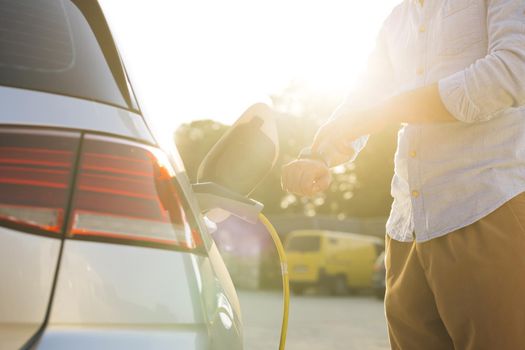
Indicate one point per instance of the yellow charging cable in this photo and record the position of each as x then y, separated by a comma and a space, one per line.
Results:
284, 272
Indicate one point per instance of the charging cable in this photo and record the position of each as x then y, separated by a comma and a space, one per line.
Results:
284, 273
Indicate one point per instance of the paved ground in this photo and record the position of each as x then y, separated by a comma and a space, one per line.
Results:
316, 322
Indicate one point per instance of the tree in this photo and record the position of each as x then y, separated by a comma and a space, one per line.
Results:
194, 141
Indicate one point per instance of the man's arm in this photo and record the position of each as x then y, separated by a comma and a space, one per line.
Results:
483, 89
423, 105
375, 84
477, 93
497, 81
310, 173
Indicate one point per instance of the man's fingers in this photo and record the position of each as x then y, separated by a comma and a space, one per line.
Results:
322, 183
344, 146
292, 177
302, 176
315, 181
307, 183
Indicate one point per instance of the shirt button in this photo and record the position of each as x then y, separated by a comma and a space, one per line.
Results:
420, 71
413, 154
415, 194
422, 29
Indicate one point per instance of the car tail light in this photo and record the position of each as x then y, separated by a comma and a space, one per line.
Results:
35, 175
125, 192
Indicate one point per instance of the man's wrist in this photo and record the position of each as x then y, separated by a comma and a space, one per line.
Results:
306, 153
378, 117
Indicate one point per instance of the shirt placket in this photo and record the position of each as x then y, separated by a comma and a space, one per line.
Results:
414, 156
421, 42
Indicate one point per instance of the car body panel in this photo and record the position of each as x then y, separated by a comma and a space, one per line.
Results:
220, 307
51, 110
107, 291
108, 295
88, 337
101, 300
227, 289
117, 284
27, 272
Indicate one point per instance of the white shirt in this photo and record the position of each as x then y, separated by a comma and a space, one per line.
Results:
450, 175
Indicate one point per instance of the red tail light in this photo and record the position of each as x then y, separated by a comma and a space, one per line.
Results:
35, 172
125, 192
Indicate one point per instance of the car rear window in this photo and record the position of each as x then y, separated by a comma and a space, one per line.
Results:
61, 47
304, 244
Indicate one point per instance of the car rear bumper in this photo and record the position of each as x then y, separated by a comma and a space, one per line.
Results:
84, 337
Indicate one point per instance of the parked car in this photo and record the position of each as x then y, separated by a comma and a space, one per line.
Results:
379, 277
102, 243
339, 261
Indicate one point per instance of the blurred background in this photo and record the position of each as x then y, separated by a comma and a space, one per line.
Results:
196, 66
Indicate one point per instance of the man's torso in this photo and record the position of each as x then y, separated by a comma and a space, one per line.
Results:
448, 175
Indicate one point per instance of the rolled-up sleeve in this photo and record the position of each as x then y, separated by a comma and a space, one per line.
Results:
497, 81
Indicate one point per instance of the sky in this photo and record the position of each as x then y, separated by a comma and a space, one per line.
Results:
209, 59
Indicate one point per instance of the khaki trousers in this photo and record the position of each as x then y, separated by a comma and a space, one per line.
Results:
465, 290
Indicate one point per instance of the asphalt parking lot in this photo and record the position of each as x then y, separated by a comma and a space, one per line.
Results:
316, 322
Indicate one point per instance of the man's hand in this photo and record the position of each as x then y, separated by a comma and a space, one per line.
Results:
305, 177
338, 133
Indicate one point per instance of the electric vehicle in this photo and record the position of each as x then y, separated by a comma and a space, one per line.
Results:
103, 244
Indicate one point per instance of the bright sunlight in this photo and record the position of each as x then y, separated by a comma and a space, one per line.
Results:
211, 59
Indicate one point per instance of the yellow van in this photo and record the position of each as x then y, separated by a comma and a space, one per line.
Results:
339, 261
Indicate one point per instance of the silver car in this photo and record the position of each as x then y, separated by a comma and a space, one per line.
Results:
102, 243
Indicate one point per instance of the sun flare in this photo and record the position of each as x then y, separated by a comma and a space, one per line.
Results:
209, 60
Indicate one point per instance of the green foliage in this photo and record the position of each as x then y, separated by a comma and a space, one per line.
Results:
194, 141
